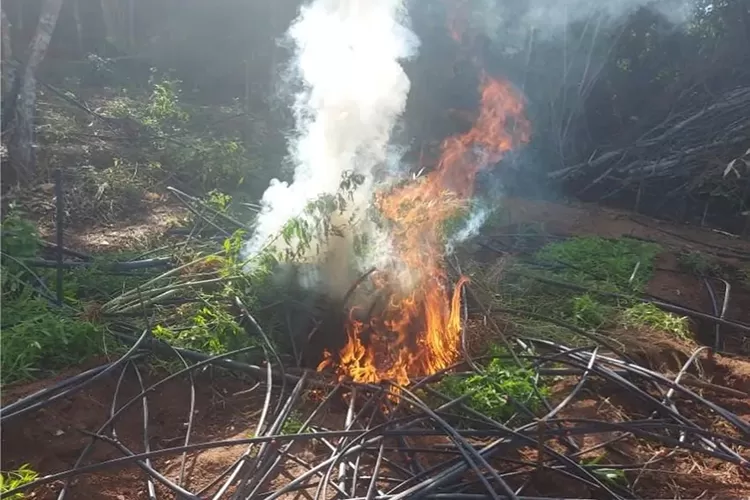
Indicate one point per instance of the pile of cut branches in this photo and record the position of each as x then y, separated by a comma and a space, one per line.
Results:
695, 152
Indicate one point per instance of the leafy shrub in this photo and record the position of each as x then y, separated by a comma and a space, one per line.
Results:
39, 338
490, 391
207, 328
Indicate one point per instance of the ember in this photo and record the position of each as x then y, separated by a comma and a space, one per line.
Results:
418, 332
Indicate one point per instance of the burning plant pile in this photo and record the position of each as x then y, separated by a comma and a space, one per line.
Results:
354, 91
417, 332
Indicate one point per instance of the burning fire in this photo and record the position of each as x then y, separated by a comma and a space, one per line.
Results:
419, 329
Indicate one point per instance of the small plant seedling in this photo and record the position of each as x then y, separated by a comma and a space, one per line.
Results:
293, 423
13, 479
606, 474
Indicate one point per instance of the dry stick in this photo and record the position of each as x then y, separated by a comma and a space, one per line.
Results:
180, 194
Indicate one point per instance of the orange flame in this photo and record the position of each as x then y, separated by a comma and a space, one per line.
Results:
419, 331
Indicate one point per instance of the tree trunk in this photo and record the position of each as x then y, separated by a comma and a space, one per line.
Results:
21, 149
5, 33
79, 27
6, 55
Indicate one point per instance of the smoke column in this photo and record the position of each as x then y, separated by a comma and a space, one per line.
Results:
347, 57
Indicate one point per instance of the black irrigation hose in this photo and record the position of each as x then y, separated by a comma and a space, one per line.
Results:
381, 422
735, 252
593, 426
125, 358
42, 394
116, 267
657, 302
715, 307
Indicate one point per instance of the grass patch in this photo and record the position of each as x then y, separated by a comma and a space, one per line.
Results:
39, 339
650, 316
622, 265
589, 312
699, 263
14, 479
490, 392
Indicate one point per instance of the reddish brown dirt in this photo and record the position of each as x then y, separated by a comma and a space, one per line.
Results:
591, 219
653, 473
50, 439
670, 282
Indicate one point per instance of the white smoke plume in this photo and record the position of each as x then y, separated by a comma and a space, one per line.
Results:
470, 227
509, 21
347, 56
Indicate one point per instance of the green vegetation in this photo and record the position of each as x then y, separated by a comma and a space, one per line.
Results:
191, 306
620, 265
699, 263
39, 338
650, 316
606, 474
37, 335
293, 423
13, 479
179, 145
607, 273
490, 392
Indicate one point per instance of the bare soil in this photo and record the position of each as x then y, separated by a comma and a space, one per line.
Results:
50, 439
